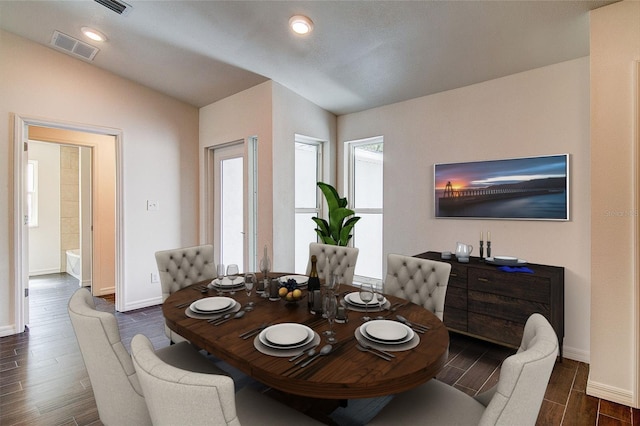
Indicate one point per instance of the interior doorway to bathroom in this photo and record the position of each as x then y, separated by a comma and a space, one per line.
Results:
59, 181
71, 176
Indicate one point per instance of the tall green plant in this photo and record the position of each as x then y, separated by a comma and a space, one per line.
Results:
337, 231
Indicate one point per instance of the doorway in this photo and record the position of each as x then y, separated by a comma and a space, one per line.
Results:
231, 191
59, 215
104, 223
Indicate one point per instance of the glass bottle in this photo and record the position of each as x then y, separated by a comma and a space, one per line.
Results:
313, 285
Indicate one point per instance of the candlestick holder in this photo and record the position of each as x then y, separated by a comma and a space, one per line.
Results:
481, 251
488, 249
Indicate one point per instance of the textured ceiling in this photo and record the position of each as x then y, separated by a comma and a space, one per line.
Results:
361, 54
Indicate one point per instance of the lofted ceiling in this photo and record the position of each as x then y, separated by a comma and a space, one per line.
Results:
360, 55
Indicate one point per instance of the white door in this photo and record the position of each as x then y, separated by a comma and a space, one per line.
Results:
229, 205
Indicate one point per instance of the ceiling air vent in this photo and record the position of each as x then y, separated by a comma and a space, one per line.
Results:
119, 7
73, 46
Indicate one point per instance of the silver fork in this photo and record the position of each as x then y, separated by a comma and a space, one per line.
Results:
363, 349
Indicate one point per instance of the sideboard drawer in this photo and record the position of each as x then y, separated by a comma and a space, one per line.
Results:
495, 329
520, 286
507, 308
455, 319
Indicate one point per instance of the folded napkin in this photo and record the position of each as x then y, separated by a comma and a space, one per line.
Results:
516, 269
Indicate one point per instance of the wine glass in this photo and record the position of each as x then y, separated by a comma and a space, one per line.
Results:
220, 275
249, 281
330, 308
232, 274
366, 295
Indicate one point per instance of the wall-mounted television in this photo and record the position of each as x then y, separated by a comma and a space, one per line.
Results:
529, 188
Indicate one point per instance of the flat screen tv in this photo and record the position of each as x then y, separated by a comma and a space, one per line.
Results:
530, 188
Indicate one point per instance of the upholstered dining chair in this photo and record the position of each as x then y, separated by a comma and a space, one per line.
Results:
175, 396
336, 260
421, 281
113, 377
181, 267
514, 400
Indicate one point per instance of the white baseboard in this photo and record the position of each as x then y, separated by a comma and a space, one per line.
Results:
610, 393
576, 354
105, 291
143, 304
8, 330
45, 272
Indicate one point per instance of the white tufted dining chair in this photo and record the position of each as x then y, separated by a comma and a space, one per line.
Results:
341, 261
178, 397
514, 400
113, 377
181, 267
421, 281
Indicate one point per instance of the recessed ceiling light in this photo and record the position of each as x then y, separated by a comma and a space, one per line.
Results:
301, 24
94, 35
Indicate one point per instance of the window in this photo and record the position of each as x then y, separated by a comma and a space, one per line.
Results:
32, 193
308, 172
364, 174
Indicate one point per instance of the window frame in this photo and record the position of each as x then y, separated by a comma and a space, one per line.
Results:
349, 184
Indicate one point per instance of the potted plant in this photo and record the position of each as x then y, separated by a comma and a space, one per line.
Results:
337, 231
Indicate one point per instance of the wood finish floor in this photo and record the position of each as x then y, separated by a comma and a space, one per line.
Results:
43, 380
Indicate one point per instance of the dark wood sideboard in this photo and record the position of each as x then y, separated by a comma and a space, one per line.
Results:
485, 302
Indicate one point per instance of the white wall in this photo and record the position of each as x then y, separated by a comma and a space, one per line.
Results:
540, 112
615, 138
160, 163
293, 114
44, 239
274, 114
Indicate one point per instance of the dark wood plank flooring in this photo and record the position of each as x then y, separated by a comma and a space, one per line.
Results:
43, 380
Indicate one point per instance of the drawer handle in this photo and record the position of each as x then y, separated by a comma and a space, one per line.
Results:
484, 280
453, 275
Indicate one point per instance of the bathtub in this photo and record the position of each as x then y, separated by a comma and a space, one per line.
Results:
74, 264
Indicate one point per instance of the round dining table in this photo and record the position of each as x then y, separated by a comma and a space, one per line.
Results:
346, 372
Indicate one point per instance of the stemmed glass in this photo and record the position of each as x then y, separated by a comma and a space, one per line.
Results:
220, 275
330, 308
366, 295
249, 280
232, 273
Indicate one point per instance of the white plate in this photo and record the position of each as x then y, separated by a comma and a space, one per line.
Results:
386, 332
505, 261
300, 279
226, 282
210, 305
354, 299
286, 336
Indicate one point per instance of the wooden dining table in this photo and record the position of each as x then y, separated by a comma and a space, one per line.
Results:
345, 373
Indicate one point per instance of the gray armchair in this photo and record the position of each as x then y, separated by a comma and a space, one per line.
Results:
341, 261
181, 267
515, 400
421, 281
113, 377
178, 397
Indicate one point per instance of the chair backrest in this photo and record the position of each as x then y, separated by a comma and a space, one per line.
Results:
181, 267
336, 260
113, 377
524, 377
175, 396
421, 281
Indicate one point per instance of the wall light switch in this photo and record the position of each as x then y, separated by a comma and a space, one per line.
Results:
153, 205
154, 277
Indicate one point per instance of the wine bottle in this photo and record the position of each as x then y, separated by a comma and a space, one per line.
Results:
313, 284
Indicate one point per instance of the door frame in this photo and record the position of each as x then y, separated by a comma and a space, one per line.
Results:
250, 198
20, 234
